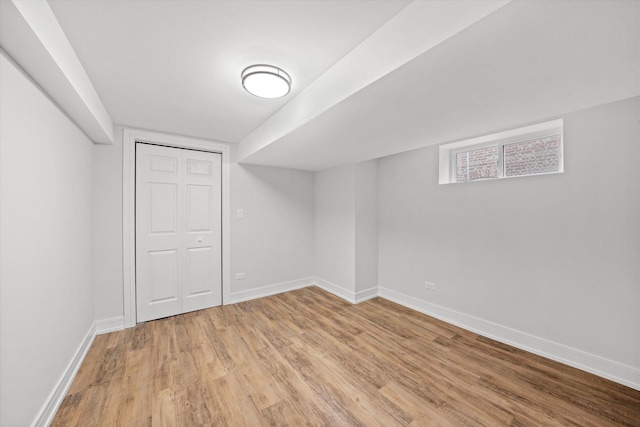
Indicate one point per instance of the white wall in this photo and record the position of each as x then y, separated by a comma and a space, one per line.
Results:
335, 226
46, 294
273, 243
555, 256
346, 224
107, 228
366, 226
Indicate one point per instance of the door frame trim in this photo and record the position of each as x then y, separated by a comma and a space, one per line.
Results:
129, 138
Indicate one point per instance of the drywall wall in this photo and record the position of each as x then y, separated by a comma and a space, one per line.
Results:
46, 294
554, 256
107, 228
366, 225
346, 230
335, 235
273, 242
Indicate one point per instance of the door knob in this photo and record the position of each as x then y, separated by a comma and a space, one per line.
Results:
200, 239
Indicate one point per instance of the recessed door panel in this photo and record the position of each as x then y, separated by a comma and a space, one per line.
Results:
199, 207
164, 207
199, 271
163, 270
164, 164
199, 167
178, 231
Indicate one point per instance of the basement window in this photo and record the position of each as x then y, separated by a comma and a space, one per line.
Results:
531, 150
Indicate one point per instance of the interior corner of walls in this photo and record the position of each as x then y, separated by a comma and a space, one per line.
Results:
597, 365
54, 400
112, 324
233, 150
366, 294
118, 134
337, 290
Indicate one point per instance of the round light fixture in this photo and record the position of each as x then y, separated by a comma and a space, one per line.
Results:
266, 81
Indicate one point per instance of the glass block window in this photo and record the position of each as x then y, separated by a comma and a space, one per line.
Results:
477, 164
526, 151
532, 157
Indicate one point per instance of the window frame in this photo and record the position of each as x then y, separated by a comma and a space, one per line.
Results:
448, 152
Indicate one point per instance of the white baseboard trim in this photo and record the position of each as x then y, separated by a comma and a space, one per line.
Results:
366, 294
112, 324
49, 409
265, 291
344, 293
603, 367
337, 290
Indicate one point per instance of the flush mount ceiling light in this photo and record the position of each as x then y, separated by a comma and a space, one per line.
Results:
266, 81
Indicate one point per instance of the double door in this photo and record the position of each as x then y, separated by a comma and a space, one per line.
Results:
178, 231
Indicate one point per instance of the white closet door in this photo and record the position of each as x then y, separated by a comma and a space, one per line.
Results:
202, 239
178, 231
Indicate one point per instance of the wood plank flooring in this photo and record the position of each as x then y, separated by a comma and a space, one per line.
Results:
308, 358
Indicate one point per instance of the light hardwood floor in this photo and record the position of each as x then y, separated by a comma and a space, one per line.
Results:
308, 358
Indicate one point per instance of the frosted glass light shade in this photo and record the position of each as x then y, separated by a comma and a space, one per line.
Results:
266, 81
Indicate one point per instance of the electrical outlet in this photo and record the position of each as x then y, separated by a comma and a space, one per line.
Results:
240, 214
430, 285
239, 276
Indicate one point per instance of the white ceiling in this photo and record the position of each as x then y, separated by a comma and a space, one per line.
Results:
174, 66
526, 62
